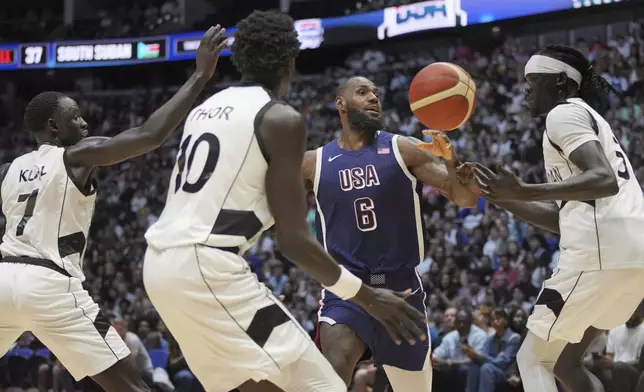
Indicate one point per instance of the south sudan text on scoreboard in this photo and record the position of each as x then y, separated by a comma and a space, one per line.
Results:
95, 53
90, 53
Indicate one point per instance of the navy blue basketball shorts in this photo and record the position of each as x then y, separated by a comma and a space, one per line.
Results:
334, 310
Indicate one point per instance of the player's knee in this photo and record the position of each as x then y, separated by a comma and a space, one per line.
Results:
340, 362
565, 366
341, 349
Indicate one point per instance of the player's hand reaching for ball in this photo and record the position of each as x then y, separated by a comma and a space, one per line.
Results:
440, 145
212, 43
465, 175
400, 319
500, 184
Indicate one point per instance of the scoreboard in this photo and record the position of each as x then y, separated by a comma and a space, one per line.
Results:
84, 53
312, 33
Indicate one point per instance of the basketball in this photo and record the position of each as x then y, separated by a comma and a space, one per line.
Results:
442, 96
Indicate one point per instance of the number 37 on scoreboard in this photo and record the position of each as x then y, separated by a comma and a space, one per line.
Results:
33, 54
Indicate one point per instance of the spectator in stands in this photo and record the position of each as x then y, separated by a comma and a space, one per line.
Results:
139, 353
622, 365
450, 360
488, 367
448, 325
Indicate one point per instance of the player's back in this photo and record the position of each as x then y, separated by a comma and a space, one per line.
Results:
216, 195
48, 217
603, 233
369, 215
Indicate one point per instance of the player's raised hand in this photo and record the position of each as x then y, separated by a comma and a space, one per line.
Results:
440, 145
501, 184
392, 310
212, 43
465, 175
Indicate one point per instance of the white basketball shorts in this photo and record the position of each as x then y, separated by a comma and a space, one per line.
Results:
230, 327
572, 301
59, 312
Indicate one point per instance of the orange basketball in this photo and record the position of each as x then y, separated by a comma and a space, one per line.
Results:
442, 96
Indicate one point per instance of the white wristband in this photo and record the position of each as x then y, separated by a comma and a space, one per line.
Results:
347, 285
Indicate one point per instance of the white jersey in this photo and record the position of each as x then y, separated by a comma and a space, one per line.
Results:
217, 193
596, 234
48, 217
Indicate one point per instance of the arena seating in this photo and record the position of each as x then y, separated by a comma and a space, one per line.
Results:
478, 258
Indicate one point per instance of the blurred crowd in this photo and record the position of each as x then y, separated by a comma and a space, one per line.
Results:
483, 268
118, 18
123, 18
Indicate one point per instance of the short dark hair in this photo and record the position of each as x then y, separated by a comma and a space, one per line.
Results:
594, 89
500, 312
40, 109
265, 44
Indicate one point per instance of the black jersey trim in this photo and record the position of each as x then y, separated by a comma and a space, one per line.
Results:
60, 218
89, 188
232, 184
238, 223
44, 263
256, 124
71, 243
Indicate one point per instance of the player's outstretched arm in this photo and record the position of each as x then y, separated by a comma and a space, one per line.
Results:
421, 158
156, 129
543, 214
570, 130
308, 168
283, 131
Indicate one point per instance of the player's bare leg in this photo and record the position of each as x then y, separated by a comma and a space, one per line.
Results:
570, 370
342, 347
405, 380
311, 372
536, 359
121, 377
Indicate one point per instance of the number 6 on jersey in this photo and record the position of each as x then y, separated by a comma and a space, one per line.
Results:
365, 214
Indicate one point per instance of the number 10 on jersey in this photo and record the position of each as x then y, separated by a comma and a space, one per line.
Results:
365, 214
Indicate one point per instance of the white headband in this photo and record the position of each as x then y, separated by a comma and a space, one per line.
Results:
548, 65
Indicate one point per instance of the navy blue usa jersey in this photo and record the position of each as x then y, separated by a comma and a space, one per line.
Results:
368, 202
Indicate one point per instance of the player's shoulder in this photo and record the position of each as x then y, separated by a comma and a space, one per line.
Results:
282, 130
310, 157
407, 146
568, 113
284, 117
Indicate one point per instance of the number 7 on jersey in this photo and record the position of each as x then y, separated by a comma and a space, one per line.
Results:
30, 198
